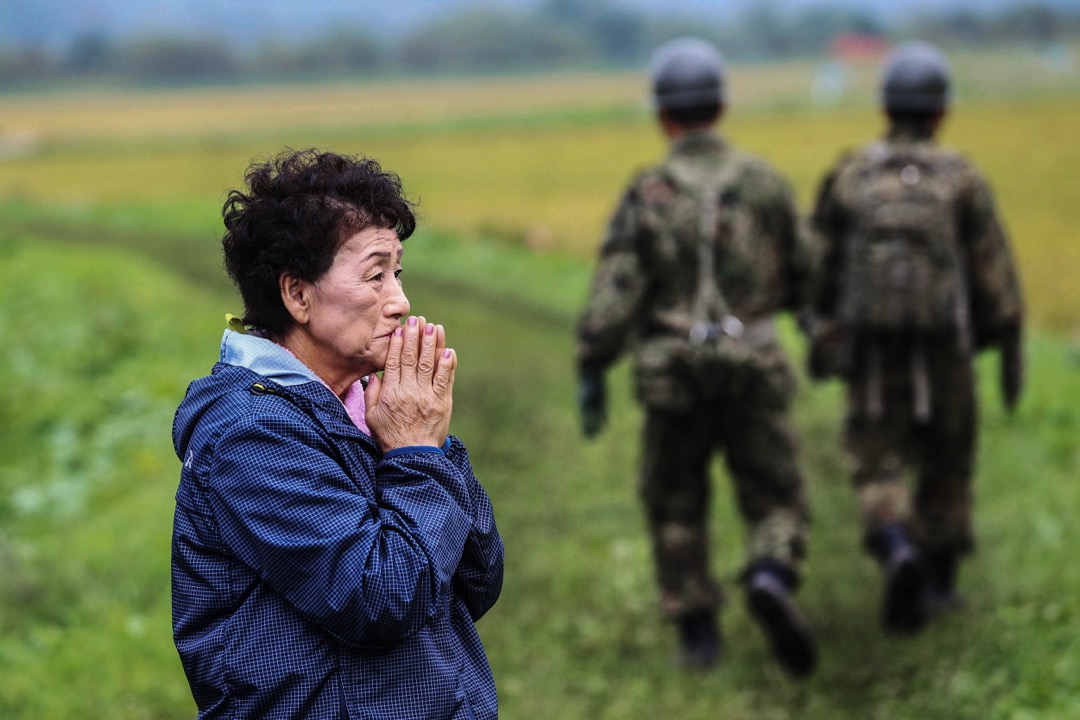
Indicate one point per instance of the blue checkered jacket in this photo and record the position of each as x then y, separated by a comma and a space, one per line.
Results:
314, 576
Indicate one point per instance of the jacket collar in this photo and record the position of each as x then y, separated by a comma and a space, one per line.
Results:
265, 357
908, 133
698, 142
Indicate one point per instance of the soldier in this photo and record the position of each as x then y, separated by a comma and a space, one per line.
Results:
701, 254
916, 277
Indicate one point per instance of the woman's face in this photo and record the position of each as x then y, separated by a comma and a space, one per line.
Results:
359, 302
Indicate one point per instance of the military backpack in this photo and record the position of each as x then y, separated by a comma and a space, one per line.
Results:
903, 254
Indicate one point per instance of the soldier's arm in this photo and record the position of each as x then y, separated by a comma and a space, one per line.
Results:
996, 301
818, 321
615, 301
783, 235
796, 239
618, 290
826, 229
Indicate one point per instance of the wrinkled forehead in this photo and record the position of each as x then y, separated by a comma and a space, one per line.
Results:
371, 245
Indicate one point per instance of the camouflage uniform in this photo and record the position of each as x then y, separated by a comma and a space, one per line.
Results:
911, 395
706, 391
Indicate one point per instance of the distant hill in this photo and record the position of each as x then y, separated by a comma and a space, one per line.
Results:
55, 23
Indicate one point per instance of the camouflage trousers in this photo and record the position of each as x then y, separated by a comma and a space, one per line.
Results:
760, 451
911, 424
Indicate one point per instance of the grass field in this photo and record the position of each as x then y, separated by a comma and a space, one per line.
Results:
112, 298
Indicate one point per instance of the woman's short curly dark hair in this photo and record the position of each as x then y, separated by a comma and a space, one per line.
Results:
299, 208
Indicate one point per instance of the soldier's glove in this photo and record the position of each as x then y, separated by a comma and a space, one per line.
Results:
592, 401
1012, 367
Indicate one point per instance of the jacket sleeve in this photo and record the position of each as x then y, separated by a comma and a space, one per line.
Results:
368, 568
479, 577
796, 239
996, 302
827, 229
618, 290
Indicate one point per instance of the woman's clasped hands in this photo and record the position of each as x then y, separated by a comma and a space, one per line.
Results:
411, 404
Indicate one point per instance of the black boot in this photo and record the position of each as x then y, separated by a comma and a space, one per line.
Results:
699, 640
902, 609
768, 595
940, 594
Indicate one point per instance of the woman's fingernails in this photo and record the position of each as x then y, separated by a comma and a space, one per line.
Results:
447, 353
397, 332
429, 329
411, 321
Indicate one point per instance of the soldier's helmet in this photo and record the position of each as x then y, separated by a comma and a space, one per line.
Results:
915, 79
686, 72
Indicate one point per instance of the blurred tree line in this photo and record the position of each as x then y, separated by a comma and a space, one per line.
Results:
553, 34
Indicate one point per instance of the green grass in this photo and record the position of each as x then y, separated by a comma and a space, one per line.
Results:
98, 348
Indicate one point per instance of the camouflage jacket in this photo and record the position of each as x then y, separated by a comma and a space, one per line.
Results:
994, 304
647, 280
649, 261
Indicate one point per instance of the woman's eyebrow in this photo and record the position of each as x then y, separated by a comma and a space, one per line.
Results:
377, 254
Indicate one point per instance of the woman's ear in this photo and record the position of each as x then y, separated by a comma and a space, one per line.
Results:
296, 295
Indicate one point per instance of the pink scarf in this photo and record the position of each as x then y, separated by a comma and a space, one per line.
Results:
354, 405
354, 400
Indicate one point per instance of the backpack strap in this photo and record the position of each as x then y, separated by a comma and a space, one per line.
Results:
921, 409
710, 313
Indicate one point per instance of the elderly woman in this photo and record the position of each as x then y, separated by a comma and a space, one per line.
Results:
332, 548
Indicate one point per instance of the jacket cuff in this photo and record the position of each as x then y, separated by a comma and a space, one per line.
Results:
417, 449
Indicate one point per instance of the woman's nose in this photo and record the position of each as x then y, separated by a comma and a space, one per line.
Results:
398, 304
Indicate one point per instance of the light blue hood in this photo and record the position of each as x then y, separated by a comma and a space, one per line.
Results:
266, 358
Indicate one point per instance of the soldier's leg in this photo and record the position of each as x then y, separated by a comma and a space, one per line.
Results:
675, 492
762, 456
876, 450
879, 449
943, 496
